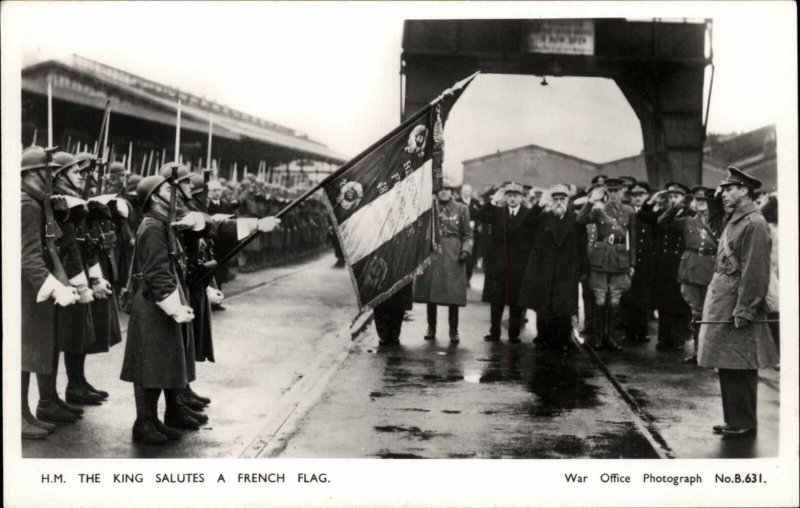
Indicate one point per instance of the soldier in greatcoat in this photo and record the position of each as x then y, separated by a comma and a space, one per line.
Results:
506, 257
741, 344
444, 282
635, 306
700, 248
550, 284
97, 329
41, 292
612, 257
159, 351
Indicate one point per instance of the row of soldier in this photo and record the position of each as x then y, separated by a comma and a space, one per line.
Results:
81, 263
635, 252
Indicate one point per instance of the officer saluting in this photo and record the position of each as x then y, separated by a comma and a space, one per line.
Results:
741, 344
612, 257
697, 261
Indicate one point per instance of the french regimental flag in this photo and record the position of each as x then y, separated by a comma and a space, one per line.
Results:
381, 202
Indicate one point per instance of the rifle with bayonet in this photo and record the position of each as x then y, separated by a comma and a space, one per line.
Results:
51, 230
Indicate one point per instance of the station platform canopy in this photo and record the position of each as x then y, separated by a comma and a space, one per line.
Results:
143, 117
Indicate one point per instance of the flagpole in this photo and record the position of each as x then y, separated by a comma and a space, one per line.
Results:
286, 209
210, 131
347, 165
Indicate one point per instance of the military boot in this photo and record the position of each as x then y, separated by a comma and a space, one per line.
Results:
30, 431
598, 327
145, 431
190, 402
69, 407
82, 395
51, 411
167, 431
192, 394
611, 321
177, 417
32, 420
102, 393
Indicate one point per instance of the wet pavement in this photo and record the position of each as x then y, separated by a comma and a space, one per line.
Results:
289, 382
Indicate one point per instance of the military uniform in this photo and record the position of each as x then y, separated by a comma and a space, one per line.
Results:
444, 282
636, 303
611, 258
738, 291
697, 261
673, 312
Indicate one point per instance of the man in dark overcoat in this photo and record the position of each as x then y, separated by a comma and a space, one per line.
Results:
550, 284
674, 314
41, 292
506, 257
741, 344
635, 305
444, 281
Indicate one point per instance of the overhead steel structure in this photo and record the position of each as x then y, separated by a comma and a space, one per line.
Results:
659, 66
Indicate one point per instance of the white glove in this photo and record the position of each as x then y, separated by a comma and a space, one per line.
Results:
192, 220
122, 207
65, 295
220, 217
183, 314
84, 295
101, 288
267, 224
215, 296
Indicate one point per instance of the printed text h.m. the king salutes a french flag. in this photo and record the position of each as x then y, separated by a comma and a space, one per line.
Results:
381, 202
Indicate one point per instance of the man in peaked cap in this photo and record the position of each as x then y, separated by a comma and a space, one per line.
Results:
635, 306
700, 248
674, 315
736, 296
508, 251
611, 259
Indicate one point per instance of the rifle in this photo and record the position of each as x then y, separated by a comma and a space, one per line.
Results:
51, 229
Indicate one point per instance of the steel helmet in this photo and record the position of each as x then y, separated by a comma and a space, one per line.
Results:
64, 161
34, 157
183, 171
198, 182
147, 186
84, 158
117, 168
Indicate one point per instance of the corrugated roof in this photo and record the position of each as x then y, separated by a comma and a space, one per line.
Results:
228, 122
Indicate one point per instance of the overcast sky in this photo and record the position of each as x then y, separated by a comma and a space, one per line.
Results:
331, 70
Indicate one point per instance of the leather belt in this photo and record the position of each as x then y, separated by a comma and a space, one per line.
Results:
704, 252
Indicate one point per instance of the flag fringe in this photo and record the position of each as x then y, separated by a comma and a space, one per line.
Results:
365, 307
